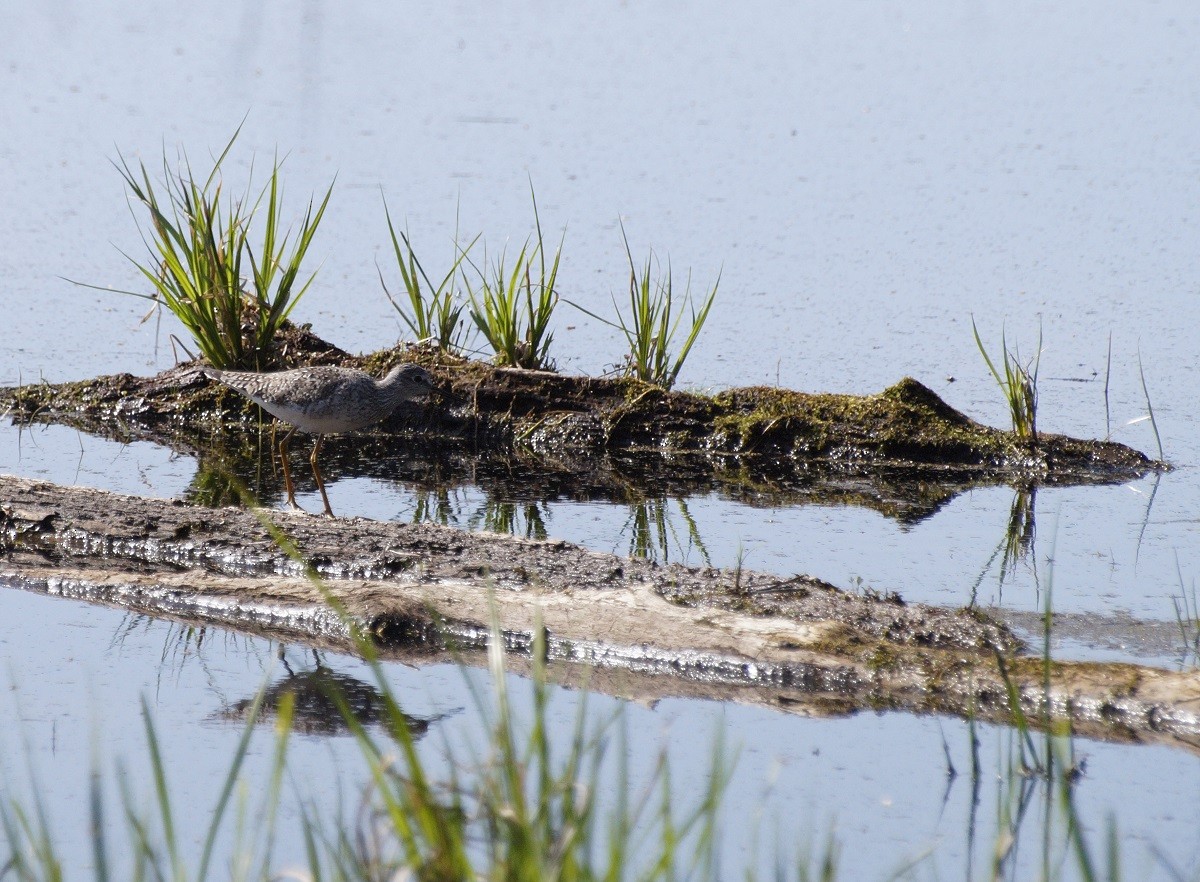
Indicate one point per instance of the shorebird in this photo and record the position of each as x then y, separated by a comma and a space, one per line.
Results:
325, 401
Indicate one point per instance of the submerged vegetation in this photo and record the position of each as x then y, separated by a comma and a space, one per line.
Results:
200, 241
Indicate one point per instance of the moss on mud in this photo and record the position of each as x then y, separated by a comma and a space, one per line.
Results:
769, 431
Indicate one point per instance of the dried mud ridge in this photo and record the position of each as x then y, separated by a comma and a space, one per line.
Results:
903, 451
425, 592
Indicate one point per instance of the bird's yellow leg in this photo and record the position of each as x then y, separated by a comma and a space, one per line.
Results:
287, 472
317, 473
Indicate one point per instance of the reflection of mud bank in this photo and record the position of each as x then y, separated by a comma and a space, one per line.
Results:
795, 643
903, 451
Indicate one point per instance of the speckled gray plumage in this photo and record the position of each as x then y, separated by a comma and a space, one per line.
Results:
326, 400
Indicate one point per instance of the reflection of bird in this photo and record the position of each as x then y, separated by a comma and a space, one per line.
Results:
323, 699
324, 401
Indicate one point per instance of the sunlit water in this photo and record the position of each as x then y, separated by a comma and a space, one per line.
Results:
865, 179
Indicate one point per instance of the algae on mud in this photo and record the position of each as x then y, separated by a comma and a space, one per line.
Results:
903, 451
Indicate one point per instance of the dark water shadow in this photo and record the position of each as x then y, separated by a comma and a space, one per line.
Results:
323, 698
528, 482
908, 494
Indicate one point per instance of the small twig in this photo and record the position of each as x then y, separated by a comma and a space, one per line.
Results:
796, 583
1107, 375
1150, 408
175, 341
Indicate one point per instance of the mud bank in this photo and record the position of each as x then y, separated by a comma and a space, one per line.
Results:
904, 447
797, 644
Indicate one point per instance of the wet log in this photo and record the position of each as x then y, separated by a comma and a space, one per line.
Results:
794, 643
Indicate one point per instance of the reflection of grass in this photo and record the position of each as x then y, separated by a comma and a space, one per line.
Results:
236, 471
184, 644
648, 530
214, 485
1187, 616
1018, 542
1021, 532
526, 519
436, 507
651, 529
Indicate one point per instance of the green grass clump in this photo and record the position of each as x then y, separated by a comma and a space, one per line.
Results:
434, 312
653, 321
523, 812
1018, 383
512, 308
232, 296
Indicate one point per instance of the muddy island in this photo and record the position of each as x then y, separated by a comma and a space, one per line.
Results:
903, 451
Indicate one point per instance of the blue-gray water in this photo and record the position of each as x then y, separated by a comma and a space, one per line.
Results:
864, 177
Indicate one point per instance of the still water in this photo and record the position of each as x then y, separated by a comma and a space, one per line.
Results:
865, 179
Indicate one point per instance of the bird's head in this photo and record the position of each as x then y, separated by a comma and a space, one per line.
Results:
409, 381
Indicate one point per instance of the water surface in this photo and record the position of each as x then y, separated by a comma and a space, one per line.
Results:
864, 178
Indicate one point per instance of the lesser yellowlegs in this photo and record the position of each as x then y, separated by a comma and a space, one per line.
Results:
325, 401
